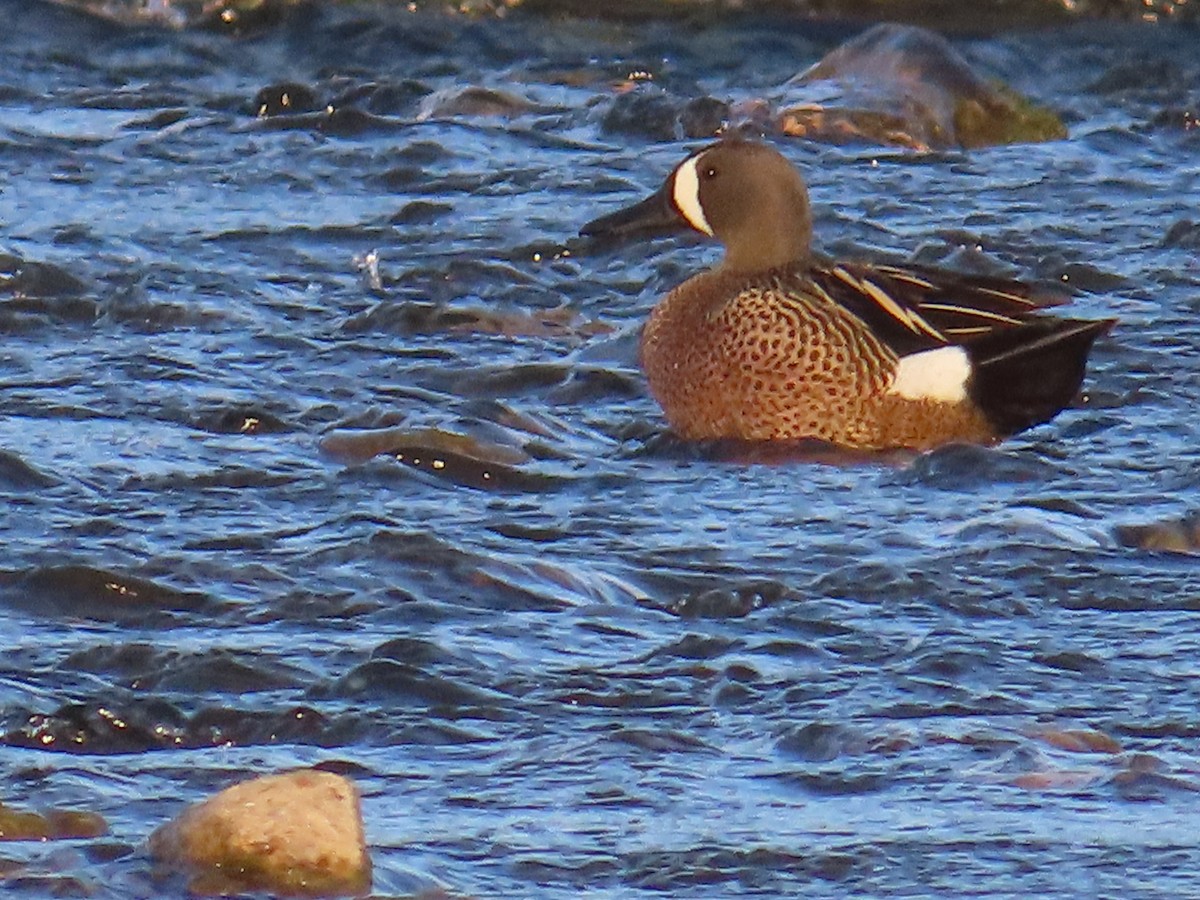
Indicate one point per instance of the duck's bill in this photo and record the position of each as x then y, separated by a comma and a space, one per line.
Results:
654, 214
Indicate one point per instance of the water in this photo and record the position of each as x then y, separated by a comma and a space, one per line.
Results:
572, 656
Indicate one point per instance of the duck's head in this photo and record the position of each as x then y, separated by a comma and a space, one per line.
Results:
743, 193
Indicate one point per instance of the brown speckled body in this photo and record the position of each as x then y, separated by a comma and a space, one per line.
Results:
765, 357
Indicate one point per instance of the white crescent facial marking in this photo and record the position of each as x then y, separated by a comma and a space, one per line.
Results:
686, 194
939, 374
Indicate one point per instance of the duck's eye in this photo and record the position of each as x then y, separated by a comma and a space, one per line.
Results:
710, 172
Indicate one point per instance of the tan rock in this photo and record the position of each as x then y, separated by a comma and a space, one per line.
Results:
56, 824
1167, 536
298, 833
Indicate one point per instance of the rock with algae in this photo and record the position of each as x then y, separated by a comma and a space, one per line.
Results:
903, 85
292, 834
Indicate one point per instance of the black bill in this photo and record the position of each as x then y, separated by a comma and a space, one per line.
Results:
657, 213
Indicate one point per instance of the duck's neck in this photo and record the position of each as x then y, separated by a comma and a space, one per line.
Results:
763, 243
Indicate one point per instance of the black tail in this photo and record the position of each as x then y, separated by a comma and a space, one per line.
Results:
1024, 376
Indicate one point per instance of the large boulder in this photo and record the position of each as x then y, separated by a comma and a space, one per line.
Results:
298, 833
898, 84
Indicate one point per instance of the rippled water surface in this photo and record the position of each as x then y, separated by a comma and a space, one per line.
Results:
561, 653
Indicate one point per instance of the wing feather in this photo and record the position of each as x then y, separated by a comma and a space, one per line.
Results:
921, 308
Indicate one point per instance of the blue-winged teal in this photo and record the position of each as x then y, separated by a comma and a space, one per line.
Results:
777, 343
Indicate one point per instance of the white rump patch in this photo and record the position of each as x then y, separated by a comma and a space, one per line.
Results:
939, 375
686, 195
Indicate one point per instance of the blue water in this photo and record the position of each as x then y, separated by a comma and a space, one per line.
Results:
575, 657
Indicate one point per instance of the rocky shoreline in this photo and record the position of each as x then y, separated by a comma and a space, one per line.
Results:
981, 17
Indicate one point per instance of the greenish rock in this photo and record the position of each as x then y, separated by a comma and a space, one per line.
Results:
906, 86
1008, 118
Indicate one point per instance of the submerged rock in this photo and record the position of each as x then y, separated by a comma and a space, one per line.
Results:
893, 84
23, 278
53, 825
241, 16
1183, 234
294, 834
285, 98
473, 101
897, 84
1169, 536
356, 447
648, 111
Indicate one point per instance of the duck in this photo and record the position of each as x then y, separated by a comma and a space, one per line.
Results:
778, 342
